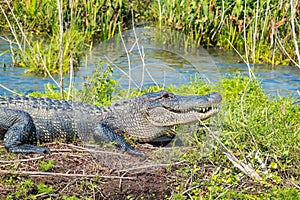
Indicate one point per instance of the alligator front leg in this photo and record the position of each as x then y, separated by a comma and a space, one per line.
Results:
19, 132
103, 131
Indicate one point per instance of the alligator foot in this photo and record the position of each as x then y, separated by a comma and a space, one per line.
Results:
28, 148
104, 132
133, 151
19, 132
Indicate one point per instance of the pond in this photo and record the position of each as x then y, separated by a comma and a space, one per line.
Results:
146, 56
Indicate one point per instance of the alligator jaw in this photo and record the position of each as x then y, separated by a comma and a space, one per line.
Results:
194, 109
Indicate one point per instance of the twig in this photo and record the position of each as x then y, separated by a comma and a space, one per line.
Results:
160, 13
245, 41
245, 61
255, 31
142, 56
71, 77
221, 21
128, 60
294, 184
243, 114
121, 70
93, 151
36, 173
284, 51
61, 49
11, 27
38, 56
293, 10
62, 150
19, 25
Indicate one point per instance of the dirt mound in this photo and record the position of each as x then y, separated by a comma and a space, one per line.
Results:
75, 171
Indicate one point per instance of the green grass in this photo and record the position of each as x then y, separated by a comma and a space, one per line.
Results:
47, 166
258, 130
42, 56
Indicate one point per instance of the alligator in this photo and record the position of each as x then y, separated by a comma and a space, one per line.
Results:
27, 121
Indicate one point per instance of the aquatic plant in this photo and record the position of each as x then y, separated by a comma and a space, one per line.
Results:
82, 23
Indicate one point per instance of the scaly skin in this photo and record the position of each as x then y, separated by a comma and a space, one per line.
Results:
24, 121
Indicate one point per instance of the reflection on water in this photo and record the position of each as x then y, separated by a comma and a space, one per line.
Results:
147, 56
158, 58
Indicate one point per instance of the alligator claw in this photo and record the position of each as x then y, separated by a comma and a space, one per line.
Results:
43, 150
135, 152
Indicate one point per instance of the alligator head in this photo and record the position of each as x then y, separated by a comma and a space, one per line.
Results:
153, 114
170, 109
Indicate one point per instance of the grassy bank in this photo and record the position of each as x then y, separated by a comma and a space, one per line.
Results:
256, 152
265, 32
262, 134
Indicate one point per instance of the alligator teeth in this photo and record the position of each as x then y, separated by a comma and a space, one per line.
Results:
204, 110
198, 109
207, 109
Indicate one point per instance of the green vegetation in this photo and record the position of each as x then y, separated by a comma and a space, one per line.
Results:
50, 91
42, 188
261, 132
42, 56
265, 32
47, 166
24, 186
257, 28
37, 22
99, 88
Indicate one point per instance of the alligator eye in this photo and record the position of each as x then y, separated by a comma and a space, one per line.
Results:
167, 95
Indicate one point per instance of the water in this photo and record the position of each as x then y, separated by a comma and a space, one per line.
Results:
159, 58
276, 80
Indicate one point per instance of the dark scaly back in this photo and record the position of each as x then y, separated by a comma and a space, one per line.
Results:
57, 118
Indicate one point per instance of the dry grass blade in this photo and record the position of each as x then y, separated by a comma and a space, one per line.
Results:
37, 173
11, 91
22, 160
149, 166
245, 168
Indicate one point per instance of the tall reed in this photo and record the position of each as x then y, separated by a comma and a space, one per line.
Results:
214, 23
